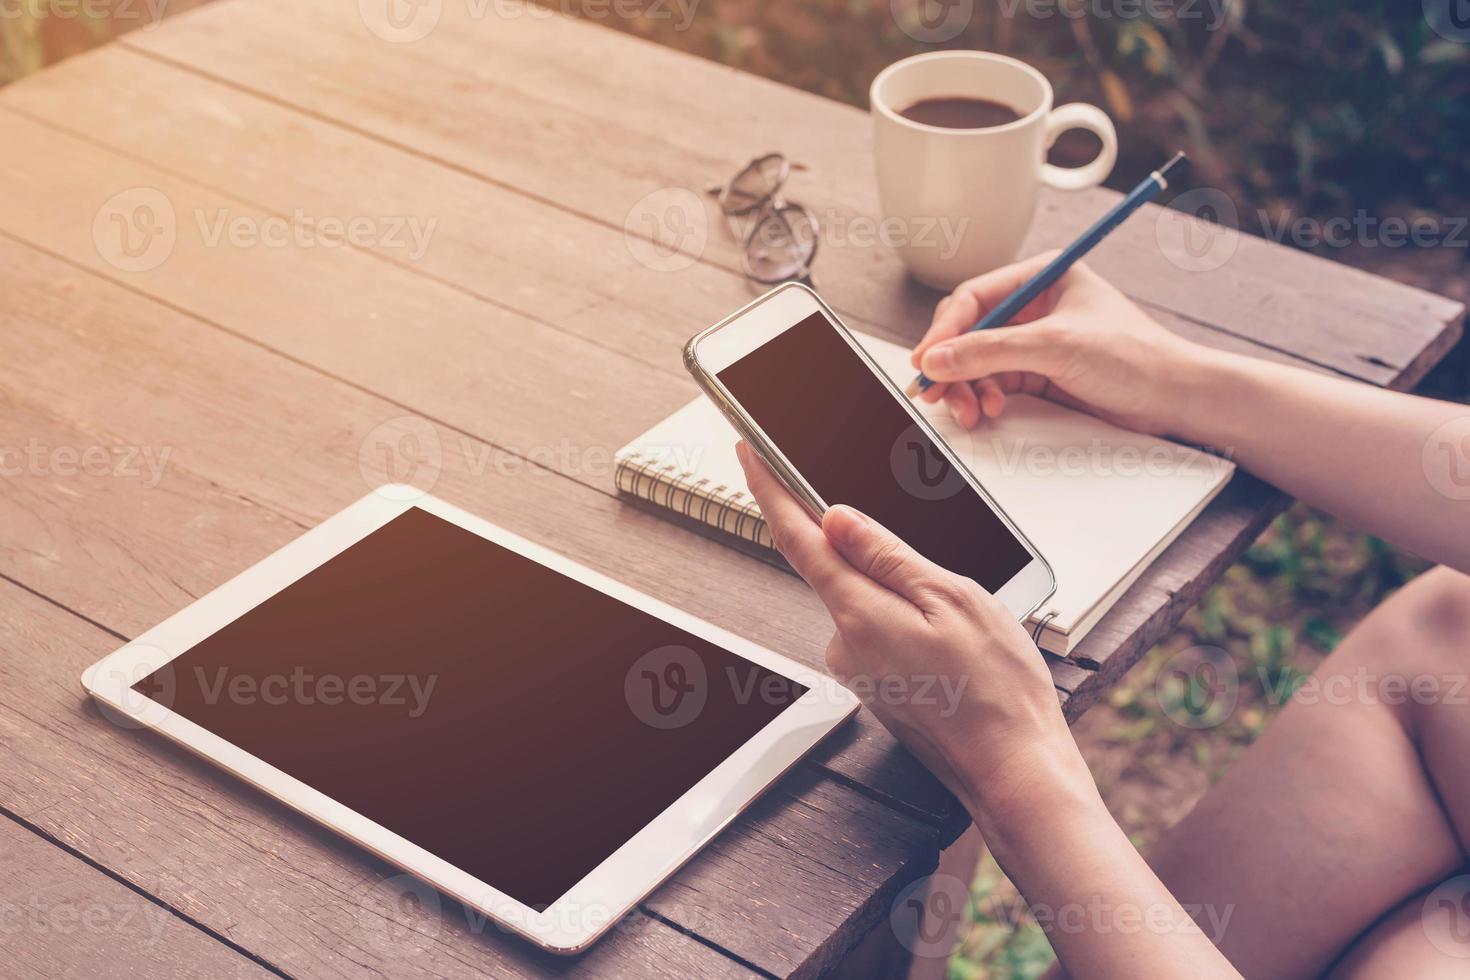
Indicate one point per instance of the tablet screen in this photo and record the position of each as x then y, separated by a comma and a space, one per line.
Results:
504, 717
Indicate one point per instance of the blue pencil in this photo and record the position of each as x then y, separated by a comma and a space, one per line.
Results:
1153, 185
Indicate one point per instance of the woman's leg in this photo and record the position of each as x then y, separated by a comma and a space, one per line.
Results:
1355, 800
1426, 938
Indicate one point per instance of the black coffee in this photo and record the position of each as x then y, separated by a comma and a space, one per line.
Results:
960, 112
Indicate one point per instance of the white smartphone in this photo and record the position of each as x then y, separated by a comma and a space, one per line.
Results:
836, 430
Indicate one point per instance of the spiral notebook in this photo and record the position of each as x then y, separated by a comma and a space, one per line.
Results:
1099, 502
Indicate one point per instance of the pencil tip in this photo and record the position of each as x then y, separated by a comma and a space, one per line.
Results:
914, 387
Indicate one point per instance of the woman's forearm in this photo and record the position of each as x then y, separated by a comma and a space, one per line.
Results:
1393, 464
1104, 910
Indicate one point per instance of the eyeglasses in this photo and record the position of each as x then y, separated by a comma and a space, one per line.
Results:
782, 238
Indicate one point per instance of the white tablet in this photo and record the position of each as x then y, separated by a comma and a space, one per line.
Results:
530, 737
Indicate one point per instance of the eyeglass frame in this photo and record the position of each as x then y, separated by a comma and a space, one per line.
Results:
771, 204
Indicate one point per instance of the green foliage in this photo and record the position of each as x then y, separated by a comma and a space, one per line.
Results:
1293, 107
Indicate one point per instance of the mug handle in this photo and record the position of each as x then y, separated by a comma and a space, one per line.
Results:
1080, 115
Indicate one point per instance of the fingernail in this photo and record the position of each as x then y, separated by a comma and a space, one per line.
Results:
843, 523
939, 360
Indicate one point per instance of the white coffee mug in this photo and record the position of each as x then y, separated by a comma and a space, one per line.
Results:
964, 198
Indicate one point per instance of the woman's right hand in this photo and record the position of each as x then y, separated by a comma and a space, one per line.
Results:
1081, 343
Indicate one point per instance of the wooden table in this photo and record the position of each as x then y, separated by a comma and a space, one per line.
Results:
182, 401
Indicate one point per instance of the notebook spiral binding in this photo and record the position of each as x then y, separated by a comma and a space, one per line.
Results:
731, 511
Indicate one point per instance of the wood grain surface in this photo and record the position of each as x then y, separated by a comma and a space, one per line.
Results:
513, 317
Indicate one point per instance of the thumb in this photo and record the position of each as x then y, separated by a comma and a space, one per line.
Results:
1036, 347
880, 555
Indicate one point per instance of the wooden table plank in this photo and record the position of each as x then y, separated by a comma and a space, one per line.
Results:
301, 899
124, 530
59, 917
491, 242
469, 371
517, 97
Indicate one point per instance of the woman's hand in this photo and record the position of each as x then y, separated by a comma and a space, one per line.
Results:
957, 680
1081, 343
938, 659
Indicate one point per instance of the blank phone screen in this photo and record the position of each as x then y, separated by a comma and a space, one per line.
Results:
511, 720
844, 432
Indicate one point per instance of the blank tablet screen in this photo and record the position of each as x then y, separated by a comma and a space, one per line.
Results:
510, 720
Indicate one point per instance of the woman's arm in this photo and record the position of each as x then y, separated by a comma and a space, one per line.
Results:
1392, 464
1002, 746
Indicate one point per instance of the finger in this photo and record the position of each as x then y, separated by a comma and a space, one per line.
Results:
881, 556
991, 396
1037, 348
801, 540
963, 406
970, 301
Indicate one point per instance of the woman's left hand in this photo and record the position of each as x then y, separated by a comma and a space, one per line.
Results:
938, 659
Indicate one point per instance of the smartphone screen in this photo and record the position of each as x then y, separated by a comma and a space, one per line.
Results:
843, 431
